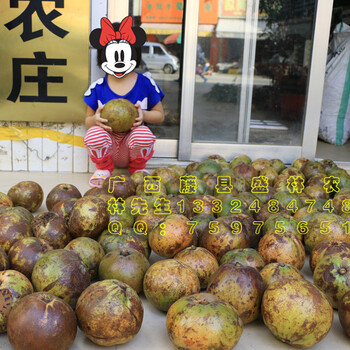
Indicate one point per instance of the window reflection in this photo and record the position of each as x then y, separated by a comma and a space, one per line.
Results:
280, 68
282, 55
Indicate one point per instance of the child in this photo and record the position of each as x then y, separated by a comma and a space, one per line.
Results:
119, 52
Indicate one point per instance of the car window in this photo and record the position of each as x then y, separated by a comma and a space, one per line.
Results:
158, 51
145, 49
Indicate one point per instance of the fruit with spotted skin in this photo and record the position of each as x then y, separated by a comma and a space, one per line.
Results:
121, 186
170, 235
4, 260
5, 200
13, 226
165, 174
270, 173
299, 163
285, 247
112, 318
89, 251
60, 193
316, 192
246, 171
218, 238
167, 281
64, 208
53, 228
296, 312
203, 204
179, 204
203, 321
19, 210
246, 257
24, 254
332, 276
178, 168
260, 164
89, 217
324, 227
126, 238
201, 261
209, 167
41, 321
191, 167
312, 168
344, 312
277, 164
126, 265
27, 194
275, 271
327, 248
201, 221
241, 158
120, 113
241, 286
62, 273
13, 286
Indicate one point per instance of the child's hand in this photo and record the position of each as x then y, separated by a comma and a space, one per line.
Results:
100, 121
139, 119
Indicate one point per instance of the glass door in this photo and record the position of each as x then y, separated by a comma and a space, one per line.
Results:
256, 82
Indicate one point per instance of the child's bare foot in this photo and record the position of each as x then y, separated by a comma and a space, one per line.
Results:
98, 178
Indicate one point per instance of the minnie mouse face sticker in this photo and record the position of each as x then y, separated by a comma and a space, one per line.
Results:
118, 45
119, 61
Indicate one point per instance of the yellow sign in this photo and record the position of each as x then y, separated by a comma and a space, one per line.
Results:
45, 60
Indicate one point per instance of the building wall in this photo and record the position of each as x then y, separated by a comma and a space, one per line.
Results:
36, 146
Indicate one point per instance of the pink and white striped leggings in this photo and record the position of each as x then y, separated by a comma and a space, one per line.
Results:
129, 149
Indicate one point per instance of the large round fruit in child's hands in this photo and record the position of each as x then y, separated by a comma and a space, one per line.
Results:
120, 113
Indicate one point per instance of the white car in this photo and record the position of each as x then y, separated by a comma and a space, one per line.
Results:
156, 56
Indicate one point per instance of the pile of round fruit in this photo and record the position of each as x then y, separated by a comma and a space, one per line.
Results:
230, 240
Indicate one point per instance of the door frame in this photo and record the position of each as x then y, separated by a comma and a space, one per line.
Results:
189, 150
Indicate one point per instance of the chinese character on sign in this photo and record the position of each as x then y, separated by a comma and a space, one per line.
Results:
42, 79
179, 5
331, 184
152, 184
223, 184
188, 184
260, 184
295, 184
25, 18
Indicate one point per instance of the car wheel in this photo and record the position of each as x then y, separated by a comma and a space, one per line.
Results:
168, 69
